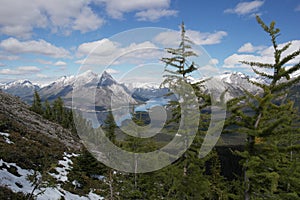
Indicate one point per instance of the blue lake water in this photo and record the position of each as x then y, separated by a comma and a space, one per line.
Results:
159, 101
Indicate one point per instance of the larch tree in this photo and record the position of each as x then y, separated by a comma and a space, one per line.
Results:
270, 164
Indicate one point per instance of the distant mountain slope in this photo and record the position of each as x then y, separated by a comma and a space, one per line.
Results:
87, 83
106, 87
21, 88
233, 83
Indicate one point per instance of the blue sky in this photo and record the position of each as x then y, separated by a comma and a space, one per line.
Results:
43, 40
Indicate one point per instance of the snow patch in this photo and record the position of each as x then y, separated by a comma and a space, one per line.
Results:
6, 138
21, 183
13, 182
65, 166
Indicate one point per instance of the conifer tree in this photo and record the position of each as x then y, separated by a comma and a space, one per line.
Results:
218, 187
37, 104
58, 110
48, 110
137, 185
110, 126
191, 183
267, 118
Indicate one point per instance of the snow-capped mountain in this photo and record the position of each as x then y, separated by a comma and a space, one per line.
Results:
132, 86
234, 83
21, 88
87, 84
106, 80
106, 87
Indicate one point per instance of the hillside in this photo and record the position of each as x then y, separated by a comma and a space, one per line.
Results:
36, 154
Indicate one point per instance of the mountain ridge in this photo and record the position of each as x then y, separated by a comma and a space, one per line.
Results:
105, 84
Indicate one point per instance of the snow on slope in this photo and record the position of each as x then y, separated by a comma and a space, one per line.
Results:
65, 166
6, 137
19, 182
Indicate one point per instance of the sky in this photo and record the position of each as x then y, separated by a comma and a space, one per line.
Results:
43, 40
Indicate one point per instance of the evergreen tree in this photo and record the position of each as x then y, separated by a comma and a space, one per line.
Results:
190, 183
219, 188
58, 110
137, 185
37, 104
110, 126
267, 119
48, 110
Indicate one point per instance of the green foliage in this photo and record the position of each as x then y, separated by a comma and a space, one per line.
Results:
110, 126
35, 152
268, 119
85, 170
8, 194
57, 112
37, 104
180, 55
185, 179
48, 110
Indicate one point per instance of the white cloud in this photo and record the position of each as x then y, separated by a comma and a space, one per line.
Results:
44, 62
171, 38
103, 47
234, 60
18, 18
249, 48
245, 8
20, 70
87, 21
9, 72
297, 8
155, 14
112, 71
265, 55
15, 46
144, 8
105, 52
4, 56
209, 71
28, 69
60, 63
214, 61
42, 76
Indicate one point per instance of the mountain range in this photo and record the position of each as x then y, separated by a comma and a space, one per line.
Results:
106, 86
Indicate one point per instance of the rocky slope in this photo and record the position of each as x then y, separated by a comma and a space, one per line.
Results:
12, 109
39, 159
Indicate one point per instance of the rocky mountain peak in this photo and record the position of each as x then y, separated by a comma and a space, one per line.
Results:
106, 79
